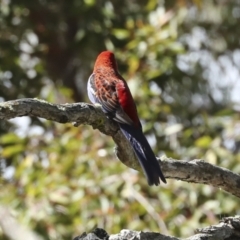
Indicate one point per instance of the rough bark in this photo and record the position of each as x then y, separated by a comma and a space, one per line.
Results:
227, 229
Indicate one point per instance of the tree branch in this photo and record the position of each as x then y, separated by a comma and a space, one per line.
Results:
227, 229
196, 171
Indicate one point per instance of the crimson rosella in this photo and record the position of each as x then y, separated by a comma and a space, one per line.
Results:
108, 88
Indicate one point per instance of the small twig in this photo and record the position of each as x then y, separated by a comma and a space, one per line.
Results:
13, 229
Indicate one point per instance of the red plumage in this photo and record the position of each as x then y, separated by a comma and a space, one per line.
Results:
108, 88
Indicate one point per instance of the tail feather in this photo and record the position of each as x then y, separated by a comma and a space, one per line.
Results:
144, 154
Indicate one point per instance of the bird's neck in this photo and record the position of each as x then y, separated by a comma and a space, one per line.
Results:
110, 71
107, 63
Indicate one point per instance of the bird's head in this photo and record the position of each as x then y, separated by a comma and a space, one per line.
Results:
106, 59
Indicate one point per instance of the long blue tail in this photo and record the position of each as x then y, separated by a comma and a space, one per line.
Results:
144, 154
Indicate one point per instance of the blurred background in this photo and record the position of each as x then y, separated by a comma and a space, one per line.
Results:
181, 60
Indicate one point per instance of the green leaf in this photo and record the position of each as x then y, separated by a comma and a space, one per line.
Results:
12, 150
203, 142
10, 138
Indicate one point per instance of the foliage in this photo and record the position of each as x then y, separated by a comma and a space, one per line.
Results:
181, 60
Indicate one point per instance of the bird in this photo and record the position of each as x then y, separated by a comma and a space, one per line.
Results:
109, 89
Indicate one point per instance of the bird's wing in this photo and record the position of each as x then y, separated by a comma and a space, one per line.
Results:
91, 90
105, 92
